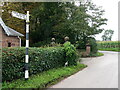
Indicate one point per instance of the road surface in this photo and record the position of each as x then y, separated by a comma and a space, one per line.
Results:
102, 72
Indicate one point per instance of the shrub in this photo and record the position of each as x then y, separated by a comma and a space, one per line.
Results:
45, 44
41, 43
71, 54
40, 59
93, 45
80, 44
45, 79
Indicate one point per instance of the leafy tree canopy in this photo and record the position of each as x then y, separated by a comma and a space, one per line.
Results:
107, 35
57, 19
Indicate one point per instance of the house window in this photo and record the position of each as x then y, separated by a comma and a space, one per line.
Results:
9, 44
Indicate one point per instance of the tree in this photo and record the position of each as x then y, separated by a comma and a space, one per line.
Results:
57, 19
107, 35
44, 19
15, 23
83, 21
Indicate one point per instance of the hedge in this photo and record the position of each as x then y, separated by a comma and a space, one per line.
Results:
41, 59
44, 79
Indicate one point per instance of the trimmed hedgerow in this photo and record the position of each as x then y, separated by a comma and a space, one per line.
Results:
40, 59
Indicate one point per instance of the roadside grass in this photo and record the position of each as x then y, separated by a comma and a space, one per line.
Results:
44, 79
110, 49
91, 54
96, 54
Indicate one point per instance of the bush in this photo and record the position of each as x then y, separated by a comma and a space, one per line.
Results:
95, 54
44, 79
71, 54
41, 43
80, 44
45, 44
40, 59
93, 45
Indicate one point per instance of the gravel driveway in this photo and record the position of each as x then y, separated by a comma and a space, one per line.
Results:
102, 72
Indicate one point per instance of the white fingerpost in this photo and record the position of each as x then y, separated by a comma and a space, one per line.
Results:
25, 17
27, 47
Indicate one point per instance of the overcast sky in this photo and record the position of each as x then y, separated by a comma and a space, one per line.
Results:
111, 13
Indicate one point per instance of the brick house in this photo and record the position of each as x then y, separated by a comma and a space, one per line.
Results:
8, 36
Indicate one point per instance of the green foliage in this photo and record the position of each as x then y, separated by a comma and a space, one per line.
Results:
71, 54
82, 44
66, 19
93, 45
40, 59
95, 54
110, 49
107, 35
45, 44
108, 44
45, 27
44, 79
13, 22
41, 43
56, 19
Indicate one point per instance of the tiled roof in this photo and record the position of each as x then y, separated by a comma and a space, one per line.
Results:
9, 31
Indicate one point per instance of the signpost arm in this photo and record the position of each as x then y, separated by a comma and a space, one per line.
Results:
27, 48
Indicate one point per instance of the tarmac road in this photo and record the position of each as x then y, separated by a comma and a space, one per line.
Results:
102, 72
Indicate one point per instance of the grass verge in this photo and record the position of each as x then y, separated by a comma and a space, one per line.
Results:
44, 79
79, 52
110, 49
96, 54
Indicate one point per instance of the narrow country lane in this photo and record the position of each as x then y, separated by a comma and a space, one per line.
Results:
102, 72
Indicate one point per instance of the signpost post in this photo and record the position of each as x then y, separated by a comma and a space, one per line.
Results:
25, 17
27, 47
